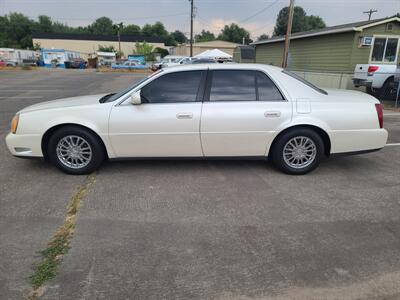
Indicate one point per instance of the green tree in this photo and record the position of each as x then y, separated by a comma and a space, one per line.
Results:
179, 37
19, 31
44, 24
157, 29
301, 22
102, 48
235, 34
204, 36
163, 52
102, 26
314, 22
4, 29
131, 30
263, 37
144, 49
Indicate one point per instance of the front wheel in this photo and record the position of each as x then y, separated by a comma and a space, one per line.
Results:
75, 150
298, 151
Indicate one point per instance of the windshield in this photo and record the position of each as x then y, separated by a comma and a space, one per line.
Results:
302, 80
115, 96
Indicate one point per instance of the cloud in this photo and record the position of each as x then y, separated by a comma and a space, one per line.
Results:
217, 24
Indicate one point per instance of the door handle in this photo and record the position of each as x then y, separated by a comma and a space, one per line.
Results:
184, 116
272, 114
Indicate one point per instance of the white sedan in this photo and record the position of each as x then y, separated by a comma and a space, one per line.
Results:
216, 110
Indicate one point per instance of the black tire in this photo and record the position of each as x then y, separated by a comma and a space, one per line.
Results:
277, 151
98, 153
372, 92
387, 92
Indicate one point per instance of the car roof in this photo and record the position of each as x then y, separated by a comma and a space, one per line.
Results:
219, 66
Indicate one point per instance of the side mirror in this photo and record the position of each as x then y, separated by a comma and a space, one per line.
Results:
136, 99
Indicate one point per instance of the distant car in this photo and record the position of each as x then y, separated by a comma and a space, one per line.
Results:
2, 63
219, 110
78, 63
378, 78
203, 61
130, 65
9, 63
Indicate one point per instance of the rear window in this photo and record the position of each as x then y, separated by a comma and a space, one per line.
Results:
302, 80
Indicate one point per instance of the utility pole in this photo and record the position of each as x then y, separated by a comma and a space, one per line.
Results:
119, 27
369, 13
191, 27
288, 33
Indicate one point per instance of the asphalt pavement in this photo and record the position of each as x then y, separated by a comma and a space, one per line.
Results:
198, 229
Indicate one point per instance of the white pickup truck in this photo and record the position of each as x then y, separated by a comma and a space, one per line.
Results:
377, 78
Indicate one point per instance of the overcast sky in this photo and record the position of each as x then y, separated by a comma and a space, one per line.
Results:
211, 14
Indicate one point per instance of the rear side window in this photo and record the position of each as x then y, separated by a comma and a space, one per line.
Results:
173, 88
232, 85
267, 90
243, 85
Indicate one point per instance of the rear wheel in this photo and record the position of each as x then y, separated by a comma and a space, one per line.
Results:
75, 150
298, 151
388, 92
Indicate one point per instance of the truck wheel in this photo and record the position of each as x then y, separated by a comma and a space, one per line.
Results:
388, 92
373, 92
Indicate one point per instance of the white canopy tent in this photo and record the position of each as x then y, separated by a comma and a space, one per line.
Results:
214, 54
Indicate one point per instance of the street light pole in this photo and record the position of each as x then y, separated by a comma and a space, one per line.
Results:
191, 28
288, 33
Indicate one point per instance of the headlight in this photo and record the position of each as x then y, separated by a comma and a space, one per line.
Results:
14, 124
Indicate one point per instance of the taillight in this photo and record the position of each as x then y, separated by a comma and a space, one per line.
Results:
372, 69
379, 111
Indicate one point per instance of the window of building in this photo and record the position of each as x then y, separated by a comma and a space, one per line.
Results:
385, 49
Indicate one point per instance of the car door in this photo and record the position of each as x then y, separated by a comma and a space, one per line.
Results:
166, 124
243, 111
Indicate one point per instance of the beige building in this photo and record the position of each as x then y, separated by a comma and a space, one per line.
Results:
184, 49
88, 45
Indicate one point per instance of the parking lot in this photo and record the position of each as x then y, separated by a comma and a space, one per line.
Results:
198, 229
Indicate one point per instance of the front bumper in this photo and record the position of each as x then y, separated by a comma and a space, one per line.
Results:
24, 145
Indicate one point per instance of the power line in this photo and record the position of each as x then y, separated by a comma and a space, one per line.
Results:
259, 12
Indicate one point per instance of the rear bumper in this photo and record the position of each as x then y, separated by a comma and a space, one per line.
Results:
361, 82
345, 141
24, 145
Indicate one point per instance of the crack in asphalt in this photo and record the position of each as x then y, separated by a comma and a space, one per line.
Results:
59, 244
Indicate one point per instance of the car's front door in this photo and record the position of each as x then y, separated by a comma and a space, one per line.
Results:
167, 122
244, 110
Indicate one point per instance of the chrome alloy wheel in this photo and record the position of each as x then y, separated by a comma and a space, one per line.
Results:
299, 152
74, 152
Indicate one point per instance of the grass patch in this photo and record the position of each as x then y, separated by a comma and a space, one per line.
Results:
59, 244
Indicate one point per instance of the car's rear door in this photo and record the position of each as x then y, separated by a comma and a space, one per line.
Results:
167, 122
242, 112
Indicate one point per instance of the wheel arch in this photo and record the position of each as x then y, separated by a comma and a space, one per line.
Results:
321, 132
49, 132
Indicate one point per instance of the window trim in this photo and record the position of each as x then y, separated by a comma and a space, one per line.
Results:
387, 36
209, 82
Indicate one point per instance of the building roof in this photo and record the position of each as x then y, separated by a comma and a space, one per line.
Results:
357, 26
95, 37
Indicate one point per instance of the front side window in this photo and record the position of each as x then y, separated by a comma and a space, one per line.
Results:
173, 88
233, 85
384, 49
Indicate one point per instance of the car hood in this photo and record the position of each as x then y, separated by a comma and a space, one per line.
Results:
65, 102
